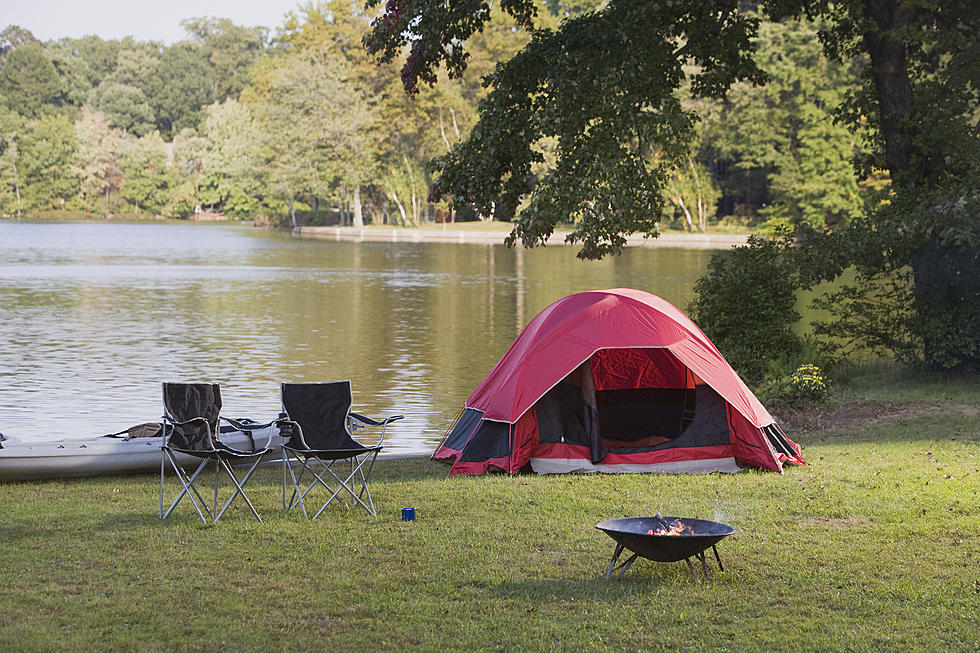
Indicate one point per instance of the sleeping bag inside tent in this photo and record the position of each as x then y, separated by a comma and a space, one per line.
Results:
613, 381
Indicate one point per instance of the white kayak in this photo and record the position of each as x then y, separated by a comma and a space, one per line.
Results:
104, 455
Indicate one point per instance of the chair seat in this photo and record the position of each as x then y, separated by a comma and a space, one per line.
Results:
331, 454
223, 451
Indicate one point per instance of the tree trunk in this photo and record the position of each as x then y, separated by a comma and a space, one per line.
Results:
415, 208
401, 209
687, 214
889, 66
292, 211
358, 216
702, 219
17, 194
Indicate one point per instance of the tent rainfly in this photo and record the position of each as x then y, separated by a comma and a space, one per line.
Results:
614, 381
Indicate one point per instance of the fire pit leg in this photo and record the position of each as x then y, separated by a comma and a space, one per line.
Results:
691, 567
704, 566
624, 566
717, 557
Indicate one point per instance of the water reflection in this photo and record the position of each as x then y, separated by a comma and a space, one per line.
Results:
95, 316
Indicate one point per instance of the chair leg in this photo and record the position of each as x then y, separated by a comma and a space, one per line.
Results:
297, 497
318, 480
190, 490
360, 469
188, 487
357, 471
239, 487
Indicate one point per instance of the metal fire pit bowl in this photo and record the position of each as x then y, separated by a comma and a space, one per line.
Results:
632, 533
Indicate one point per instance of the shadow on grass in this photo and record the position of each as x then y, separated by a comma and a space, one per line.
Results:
643, 576
952, 426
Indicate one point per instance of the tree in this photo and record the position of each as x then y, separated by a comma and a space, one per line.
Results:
754, 285
29, 82
781, 138
11, 128
229, 49
189, 152
231, 174
692, 190
97, 158
126, 107
145, 174
180, 88
47, 152
73, 72
14, 36
604, 85
318, 122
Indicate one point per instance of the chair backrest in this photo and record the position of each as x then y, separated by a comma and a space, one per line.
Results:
186, 401
323, 412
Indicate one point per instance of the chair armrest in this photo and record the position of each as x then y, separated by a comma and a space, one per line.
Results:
367, 421
371, 422
247, 426
174, 422
252, 426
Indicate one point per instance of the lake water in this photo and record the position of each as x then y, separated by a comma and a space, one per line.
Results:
93, 317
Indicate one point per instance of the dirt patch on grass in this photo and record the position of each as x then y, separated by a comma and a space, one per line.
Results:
865, 413
836, 522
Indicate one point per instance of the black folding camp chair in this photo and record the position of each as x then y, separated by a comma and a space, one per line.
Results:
316, 428
192, 413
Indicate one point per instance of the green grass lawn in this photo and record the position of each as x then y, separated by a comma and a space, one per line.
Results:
875, 545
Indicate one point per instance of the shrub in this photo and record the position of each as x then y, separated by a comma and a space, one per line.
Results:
744, 303
807, 385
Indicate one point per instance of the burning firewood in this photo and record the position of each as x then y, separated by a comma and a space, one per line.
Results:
675, 527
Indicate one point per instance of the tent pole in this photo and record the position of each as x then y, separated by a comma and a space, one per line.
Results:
452, 425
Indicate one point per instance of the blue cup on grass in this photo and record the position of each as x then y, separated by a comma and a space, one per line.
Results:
408, 514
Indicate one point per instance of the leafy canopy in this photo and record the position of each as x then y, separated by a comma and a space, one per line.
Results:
603, 86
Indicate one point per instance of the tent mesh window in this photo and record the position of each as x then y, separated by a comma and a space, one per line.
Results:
643, 417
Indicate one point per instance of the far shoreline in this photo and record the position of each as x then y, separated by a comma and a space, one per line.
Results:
474, 233
495, 236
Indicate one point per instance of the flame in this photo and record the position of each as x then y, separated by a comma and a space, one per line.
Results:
676, 527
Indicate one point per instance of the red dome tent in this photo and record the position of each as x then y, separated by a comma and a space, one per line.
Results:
614, 381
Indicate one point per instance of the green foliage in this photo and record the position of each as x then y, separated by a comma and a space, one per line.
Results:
147, 178
744, 303
780, 140
29, 81
318, 124
229, 49
603, 86
14, 36
693, 192
98, 160
126, 106
180, 88
11, 127
47, 153
917, 294
808, 385
875, 313
232, 178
